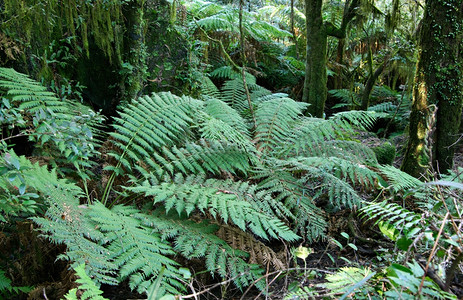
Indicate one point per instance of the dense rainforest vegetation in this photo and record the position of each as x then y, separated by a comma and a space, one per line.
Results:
251, 149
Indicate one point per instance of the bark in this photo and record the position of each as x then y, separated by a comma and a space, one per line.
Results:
371, 83
135, 52
315, 89
293, 31
438, 83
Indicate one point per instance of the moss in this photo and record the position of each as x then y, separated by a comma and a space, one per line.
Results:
385, 153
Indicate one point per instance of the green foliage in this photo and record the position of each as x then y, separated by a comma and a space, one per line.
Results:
186, 195
7, 291
385, 153
64, 130
408, 283
91, 290
348, 281
182, 160
24, 186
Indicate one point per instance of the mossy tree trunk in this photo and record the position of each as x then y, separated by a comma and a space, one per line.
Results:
438, 84
134, 65
315, 89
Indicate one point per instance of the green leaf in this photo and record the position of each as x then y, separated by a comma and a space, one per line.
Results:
303, 252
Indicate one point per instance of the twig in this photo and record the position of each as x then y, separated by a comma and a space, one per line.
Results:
194, 295
431, 255
44, 294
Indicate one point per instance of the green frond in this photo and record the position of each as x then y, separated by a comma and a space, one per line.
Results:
150, 123
199, 240
285, 196
385, 107
202, 9
233, 93
24, 186
225, 20
226, 72
67, 223
347, 97
318, 137
275, 121
91, 290
210, 157
222, 111
134, 249
349, 280
217, 130
196, 194
399, 180
264, 31
355, 119
401, 218
208, 88
28, 93
329, 175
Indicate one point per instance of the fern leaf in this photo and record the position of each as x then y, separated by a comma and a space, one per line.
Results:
186, 195
198, 240
91, 291
400, 180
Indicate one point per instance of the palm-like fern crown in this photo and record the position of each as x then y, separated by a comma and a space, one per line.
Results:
188, 158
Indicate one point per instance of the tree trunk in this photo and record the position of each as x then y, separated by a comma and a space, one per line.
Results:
135, 52
438, 83
293, 31
315, 90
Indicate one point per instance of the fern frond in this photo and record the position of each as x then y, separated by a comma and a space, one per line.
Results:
331, 174
192, 193
222, 111
383, 107
355, 119
67, 223
285, 196
224, 72
135, 250
208, 88
149, 124
198, 240
401, 218
91, 290
233, 93
30, 94
399, 180
264, 31
275, 121
348, 280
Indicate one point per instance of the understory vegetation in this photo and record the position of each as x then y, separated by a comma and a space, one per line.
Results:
161, 150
